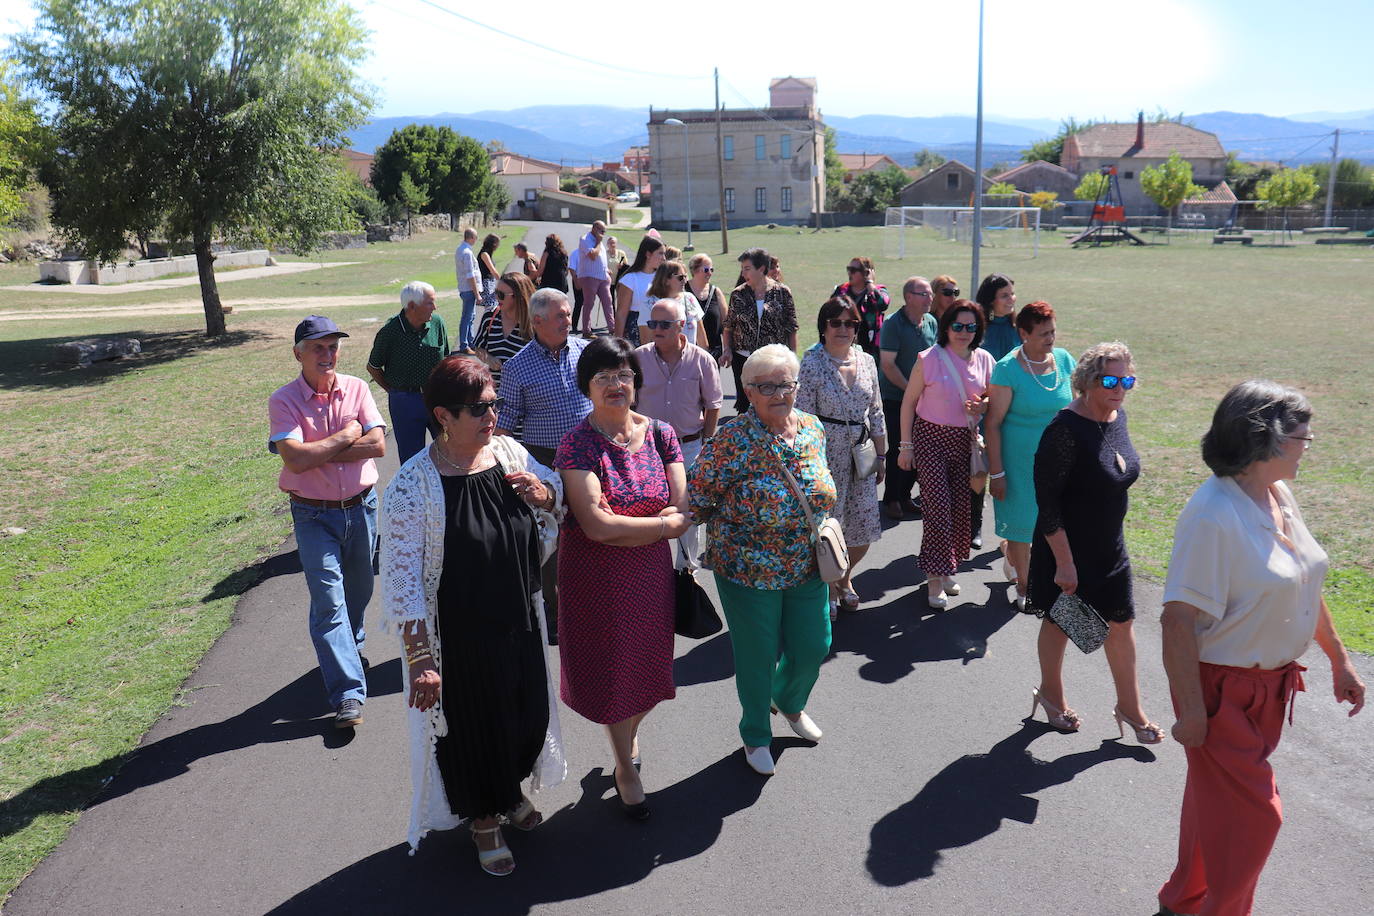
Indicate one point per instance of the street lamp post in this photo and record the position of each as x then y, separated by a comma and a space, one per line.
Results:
687, 163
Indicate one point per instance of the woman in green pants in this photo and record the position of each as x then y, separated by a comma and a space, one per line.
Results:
763, 553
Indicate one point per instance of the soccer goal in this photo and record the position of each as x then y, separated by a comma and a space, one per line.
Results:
1003, 227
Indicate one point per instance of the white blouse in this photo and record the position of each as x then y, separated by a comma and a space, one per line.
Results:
1259, 588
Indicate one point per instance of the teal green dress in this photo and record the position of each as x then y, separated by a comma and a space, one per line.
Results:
1034, 402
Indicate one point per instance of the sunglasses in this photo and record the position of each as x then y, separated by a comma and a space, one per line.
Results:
678, 277
603, 379
1305, 440
850, 323
972, 328
855, 269
768, 389
1127, 382
709, 270
655, 324
500, 296
479, 409
950, 291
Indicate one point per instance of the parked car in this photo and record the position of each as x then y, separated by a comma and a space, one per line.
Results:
628, 197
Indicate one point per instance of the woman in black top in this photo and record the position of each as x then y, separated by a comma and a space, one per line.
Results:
1083, 468
488, 270
761, 312
553, 264
700, 270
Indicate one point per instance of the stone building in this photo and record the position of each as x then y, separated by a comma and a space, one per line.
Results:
1132, 148
773, 159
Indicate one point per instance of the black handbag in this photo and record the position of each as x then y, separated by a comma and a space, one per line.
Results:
695, 616
1080, 621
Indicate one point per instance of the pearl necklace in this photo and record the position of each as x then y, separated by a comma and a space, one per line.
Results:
1036, 375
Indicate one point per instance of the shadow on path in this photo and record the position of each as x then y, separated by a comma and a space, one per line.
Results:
293, 712
901, 634
585, 848
241, 580
708, 660
969, 799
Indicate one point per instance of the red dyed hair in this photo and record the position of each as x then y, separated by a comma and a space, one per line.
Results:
1033, 314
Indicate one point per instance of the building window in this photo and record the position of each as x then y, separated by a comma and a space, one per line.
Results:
760, 200
787, 200
531, 194
729, 200
785, 146
728, 147
760, 147
951, 181
1128, 175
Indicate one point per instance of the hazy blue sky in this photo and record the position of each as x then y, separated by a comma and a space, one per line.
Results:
1079, 58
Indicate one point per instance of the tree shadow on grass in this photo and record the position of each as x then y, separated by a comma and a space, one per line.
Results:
28, 365
587, 847
293, 712
969, 799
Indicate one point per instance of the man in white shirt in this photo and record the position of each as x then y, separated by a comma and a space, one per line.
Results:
469, 287
593, 278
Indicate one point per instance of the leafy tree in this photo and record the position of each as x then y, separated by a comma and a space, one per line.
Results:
1170, 183
1244, 177
466, 185
834, 169
1354, 187
1045, 200
1091, 186
1287, 188
363, 201
569, 183
410, 198
929, 159
876, 190
212, 118
1052, 149
494, 198
1001, 189
21, 143
452, 170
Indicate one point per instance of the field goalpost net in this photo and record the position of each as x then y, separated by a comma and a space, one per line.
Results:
1003, 227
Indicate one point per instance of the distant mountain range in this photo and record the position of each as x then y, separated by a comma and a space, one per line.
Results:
587, 134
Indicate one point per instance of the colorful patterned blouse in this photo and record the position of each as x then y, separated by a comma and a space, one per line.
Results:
759, 537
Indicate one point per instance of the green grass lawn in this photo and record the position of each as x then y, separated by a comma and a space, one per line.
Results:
146, 489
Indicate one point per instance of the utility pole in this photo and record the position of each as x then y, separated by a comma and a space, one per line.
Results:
1331, 177
720, 170
978, 162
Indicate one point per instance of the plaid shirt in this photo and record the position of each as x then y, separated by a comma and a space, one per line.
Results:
540, 388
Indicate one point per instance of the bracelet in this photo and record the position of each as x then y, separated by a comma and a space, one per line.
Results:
418, 658
662, 527
906, 447
998, 476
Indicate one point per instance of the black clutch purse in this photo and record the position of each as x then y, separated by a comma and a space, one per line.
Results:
1080, 622
695, 616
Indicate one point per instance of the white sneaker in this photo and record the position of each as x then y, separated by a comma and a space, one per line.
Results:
760, 760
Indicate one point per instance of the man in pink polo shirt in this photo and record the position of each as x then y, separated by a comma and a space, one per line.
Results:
327, 429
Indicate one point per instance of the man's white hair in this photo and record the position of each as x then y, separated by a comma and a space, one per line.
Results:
769, 359
414, 292
679, 313
545, 298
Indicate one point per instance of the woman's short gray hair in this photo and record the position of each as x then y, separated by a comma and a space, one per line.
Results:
414, 292
545, 298
769, 359
1250, 424
1094, 360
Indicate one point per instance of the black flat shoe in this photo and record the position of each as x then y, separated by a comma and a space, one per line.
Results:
637, 812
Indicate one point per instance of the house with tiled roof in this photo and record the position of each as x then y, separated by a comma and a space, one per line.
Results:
523, 177
856, 164
358, 163
1030, 177
949, 184
1132, 148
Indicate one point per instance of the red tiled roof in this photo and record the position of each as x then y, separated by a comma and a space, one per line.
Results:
865, 161
1221, 194
1114, 141
516, 164
1010, 175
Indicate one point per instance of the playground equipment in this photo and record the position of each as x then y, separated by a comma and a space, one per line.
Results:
1108, 223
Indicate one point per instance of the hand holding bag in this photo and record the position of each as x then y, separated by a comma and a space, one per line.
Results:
1080, 621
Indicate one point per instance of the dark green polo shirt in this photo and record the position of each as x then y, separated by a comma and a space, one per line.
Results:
907, 341
406, 354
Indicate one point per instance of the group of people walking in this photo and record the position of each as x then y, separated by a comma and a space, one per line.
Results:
568, 477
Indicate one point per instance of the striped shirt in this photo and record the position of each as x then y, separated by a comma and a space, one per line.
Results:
540, 390
499, 343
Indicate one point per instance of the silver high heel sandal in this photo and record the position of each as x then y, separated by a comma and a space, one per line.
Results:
1149, 733
1064, 720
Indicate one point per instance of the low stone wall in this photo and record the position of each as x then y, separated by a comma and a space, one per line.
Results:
151, 269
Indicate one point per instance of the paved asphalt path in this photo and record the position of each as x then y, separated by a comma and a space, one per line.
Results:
931, 792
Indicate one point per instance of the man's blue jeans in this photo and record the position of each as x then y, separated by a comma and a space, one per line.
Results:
409, 420
465, 333
336, 554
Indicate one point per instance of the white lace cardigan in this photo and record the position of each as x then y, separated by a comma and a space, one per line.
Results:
412, 532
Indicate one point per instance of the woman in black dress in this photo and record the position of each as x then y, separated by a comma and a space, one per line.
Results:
464, 527
1083, 468
553, 264
700, 271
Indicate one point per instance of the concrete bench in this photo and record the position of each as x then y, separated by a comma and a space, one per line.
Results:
1223, 239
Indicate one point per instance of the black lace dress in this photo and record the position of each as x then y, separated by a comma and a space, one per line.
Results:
494, 690
1083, 469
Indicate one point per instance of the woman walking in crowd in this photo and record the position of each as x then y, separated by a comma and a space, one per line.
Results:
761, 312
762, 551
944, 290
1242, 603
670, 282
838, 383
506, 329
997, 297
631, 297
626, 488
553, 264
1029, 386
487, 266
1084, 465
869, 297
461, 551
710, 300
947, 390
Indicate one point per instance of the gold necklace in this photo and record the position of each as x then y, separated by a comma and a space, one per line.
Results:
477, 459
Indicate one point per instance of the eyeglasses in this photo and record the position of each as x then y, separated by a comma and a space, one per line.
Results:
850, 323
768, 389
950, 291
479, 409
972, 328
678, 277
855, 269
1306, 440
500, 296
655, 324
1127, 382
603, 379
920, 293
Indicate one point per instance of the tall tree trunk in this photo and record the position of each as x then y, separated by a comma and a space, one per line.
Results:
209, 290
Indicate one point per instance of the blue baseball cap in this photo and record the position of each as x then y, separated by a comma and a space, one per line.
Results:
317, 326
